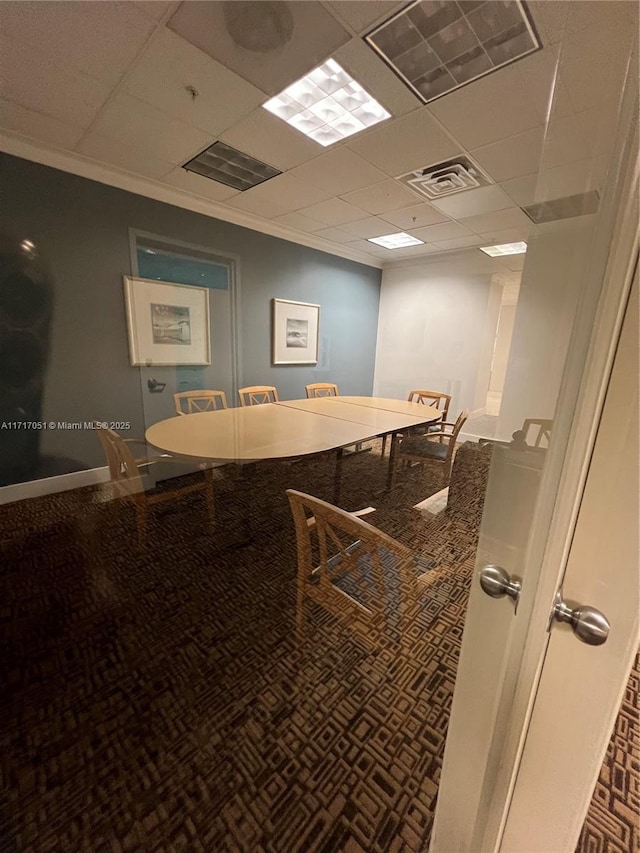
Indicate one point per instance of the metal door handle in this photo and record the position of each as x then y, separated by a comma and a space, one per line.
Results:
497, 583
588, 624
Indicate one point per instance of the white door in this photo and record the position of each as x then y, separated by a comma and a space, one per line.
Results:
581, 686
575, 282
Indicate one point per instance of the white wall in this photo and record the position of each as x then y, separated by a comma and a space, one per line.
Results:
436, 330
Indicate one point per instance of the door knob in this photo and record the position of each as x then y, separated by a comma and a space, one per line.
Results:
497, 583
588, 624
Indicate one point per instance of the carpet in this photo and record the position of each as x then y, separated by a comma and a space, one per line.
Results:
156, 699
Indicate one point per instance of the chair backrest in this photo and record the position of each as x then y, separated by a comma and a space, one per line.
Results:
254, 395
544, 430
123, 471
438, 399
199, 401
321, 389
352, 569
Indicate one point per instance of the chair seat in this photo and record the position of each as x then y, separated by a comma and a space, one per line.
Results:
417, 445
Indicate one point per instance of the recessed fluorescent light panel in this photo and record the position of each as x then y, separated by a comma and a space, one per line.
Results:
327, 105
504, 249
436, 46
396, 241
223, 163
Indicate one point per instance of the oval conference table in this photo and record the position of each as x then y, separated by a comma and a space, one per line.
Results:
288, 429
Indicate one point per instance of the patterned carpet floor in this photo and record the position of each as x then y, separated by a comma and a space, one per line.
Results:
156, 698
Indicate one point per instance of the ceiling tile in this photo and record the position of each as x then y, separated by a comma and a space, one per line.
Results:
521, 190
511, 217
258, 206
406, 143
445, 231
333, 212
371, 249
571, 179
271, 140
133, 159
583, 14
591, 68
300, 222
339, 171
490, 109
19, 119
372, 226
170, 64
565, 143
387, 196
376, 77
336, 235
512, 157
297, 38
68, 95
290, 193
360, 16
415, 216
99, 39
474, 202
458, 243
549, 18
198, 185
509, 235
132, 122
155, 9
598, 126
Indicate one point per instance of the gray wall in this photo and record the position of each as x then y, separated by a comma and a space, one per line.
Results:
81, 229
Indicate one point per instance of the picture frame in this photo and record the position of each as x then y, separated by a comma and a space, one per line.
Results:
167, 323
294, 332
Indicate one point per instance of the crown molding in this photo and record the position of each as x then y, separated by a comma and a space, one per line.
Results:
84, 167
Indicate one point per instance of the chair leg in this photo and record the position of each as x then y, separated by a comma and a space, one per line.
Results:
384, 445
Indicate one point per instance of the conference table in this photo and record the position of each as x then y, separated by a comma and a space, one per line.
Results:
288, 429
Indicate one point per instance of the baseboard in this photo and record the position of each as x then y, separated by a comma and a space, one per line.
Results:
52, 485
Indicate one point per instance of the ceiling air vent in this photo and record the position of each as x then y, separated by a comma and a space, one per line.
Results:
436, 46
452, 176
223, 163
563, 208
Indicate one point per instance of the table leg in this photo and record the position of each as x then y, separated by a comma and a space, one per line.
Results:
337, 476
392, 459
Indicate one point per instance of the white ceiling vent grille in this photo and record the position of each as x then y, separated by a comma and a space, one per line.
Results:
443, 179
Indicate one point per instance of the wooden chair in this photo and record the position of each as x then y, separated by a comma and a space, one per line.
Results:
423, 448
199, 401
437, 399
351, 569
321, 389
255, 395
127, 482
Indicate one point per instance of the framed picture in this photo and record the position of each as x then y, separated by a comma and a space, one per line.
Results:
168, 323
295, 332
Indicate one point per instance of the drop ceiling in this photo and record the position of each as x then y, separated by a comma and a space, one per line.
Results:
107, 90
